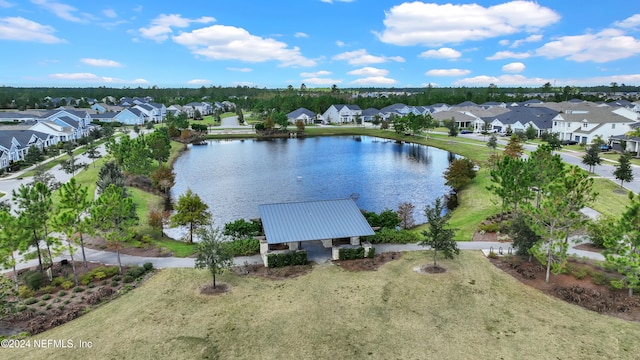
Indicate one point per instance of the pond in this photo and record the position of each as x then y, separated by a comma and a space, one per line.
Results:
234, 176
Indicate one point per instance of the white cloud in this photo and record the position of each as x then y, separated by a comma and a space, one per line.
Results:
442, 53
5, 4
161, 26
21, 29
64, 11
198, 82
448, 72
604, 46
300, 35
528, 39
93, 78
369, 72
514, 67
315, 73
221, 42
100, 62
631, 22
418, 23
504, 42
374, 80
340, 43
321, 81
361, 57
599, 80
110, 13
240, 69
505, 80
501, 55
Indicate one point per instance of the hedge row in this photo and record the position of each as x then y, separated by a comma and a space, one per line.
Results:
287, 259
243, 247
392, 236
357, 253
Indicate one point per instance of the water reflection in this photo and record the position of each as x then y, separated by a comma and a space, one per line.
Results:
233, 177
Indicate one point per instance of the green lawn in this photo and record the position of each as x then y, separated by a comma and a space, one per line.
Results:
611, 199
473, 311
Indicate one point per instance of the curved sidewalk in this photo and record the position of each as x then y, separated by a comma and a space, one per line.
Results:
315, 254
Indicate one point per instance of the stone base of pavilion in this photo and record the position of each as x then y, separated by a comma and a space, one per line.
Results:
334, 244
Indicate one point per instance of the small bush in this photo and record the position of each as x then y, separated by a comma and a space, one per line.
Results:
350, 254
287, 259
34, 280
128, 279
135, 272
372, 253
67, 284
393, 236
24, 292
66, 302
116, 278
491, 227
114, 283
579, 273
46, 296
58, 280
61, 307
242, 247
99, 275
148, 266
87, 278
492, 255
78, 289
49, 306
21, 308
42, 303
49, 289
598, 278
30, 301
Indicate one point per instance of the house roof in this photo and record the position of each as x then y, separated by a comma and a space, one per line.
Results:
370, 112
540, 116
313, 220
301, 111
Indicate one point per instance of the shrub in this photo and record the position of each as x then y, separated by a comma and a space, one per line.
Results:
46, 296
492, 255
287, 259
579, 273
393, 236
78, 289
61, 307
148, 266
67, 284
24, 292
372, 253
350, 254
242, 247
49, 306
85, 279
30, 301
116, 278
21, 308
34, 280
128, 279
99, 275
49, 289
62, 293
135, 272
42, 303
491, 227
114, 283
58, 280
598, 278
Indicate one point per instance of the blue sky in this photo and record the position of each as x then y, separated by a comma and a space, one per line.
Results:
349, 43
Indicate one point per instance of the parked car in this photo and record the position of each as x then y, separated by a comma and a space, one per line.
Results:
465, 131
605, 147
568, 142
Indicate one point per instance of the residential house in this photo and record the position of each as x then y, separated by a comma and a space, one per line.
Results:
518, 119
77, 120
369, 114
131, 116
341, 114
305, 115
103, 107
154, 112
584, 124
204, 108
55, 131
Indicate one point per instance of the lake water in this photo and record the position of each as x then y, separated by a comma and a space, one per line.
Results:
234, 176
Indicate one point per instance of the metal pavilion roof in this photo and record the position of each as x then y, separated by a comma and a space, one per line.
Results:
313, 220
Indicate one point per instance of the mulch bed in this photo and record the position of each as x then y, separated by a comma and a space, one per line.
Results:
221, 288
288, 272
368, 264
582, 292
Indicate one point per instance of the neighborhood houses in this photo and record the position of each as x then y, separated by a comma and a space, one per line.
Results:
573, 120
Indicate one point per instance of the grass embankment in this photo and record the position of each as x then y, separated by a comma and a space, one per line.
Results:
473, 311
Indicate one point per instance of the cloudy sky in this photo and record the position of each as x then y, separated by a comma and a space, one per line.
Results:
349, 43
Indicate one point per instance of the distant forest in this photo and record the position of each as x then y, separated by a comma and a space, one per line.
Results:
314, 99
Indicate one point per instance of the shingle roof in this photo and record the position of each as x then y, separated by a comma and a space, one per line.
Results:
295, 113
313, 220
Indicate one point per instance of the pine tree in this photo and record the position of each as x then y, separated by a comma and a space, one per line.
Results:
592, 157
623, 171
439, 236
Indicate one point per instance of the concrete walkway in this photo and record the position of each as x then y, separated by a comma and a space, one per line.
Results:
315, 252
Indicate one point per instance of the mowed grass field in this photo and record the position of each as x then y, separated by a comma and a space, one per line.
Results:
473, 311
